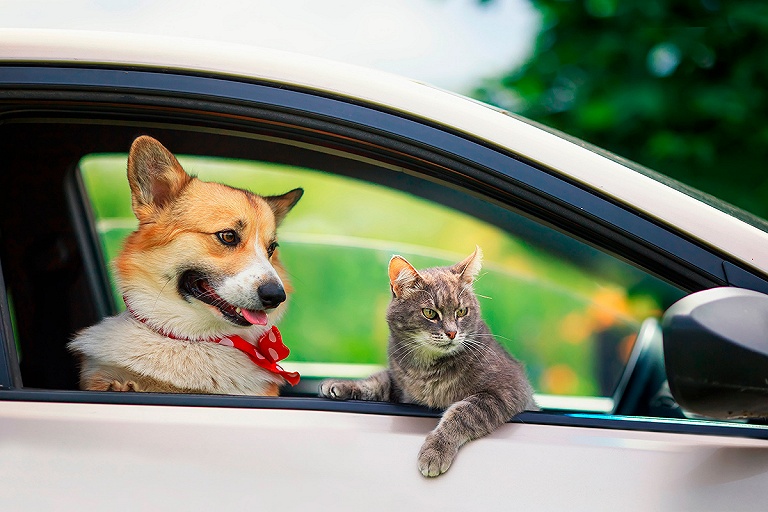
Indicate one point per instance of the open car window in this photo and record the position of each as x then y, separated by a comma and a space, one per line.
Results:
569, 312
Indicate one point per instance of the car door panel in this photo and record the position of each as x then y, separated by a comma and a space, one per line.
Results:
195, 458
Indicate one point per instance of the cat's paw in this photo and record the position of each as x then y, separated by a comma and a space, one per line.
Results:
339, 389
436, 456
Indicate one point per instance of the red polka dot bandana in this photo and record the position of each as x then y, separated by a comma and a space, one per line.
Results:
269, 349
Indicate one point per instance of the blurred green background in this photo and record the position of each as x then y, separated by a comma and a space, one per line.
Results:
676, 85
571, 326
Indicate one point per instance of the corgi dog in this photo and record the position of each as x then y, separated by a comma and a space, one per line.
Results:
202, 284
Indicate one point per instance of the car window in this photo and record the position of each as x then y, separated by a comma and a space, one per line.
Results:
570, 312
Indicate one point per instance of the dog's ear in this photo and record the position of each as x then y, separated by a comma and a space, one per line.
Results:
155, 177
281, 205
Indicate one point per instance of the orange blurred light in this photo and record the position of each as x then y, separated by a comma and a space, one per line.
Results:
576, 328
560, 379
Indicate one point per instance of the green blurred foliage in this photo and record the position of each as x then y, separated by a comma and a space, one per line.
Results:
676, 85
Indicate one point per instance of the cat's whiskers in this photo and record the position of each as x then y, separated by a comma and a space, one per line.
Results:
416, 347
470, 287
407, 346
406, 351
480, 348
494, 336
473, 352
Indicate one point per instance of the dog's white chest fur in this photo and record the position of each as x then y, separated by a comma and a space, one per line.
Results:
123, 342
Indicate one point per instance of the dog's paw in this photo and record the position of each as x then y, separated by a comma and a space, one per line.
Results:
128, 385
339, 389
436, 456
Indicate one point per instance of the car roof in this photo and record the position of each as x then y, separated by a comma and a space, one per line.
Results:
655, 196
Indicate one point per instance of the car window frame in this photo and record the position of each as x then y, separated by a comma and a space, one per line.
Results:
499, 176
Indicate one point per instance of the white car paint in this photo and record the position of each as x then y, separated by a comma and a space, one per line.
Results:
124, 457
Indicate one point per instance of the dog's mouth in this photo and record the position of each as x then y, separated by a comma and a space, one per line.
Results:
194, 284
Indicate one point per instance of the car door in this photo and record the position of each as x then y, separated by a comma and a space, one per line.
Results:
574, 283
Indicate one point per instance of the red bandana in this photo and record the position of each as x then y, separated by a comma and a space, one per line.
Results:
269, 348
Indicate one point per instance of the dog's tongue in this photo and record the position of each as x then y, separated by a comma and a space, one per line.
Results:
255, 317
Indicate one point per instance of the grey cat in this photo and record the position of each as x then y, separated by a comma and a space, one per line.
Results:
443, 355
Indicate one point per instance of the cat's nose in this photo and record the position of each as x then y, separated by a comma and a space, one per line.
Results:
451, 334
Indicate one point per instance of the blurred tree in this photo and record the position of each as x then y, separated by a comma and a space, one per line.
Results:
676, 85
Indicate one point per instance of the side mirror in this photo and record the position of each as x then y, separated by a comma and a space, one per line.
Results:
716, 353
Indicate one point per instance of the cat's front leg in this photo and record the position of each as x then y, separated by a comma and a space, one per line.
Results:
468, 419
437, 453
377, 387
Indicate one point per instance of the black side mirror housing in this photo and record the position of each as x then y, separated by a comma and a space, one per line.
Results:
716, 353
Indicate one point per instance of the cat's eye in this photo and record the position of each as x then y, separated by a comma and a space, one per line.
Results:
461, 312
429, 313
228, 237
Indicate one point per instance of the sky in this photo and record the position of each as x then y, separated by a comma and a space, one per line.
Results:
451, 44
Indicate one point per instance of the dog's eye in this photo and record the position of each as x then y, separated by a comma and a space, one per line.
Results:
271, 249
228, 237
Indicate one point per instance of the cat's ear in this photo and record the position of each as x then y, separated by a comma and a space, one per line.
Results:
402, 275
468, 268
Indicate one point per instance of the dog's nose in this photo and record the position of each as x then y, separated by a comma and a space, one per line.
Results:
271, 295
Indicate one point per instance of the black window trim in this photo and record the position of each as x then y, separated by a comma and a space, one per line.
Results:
10, 373
577, 420
85, 230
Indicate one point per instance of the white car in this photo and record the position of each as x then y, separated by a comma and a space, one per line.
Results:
584, 252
